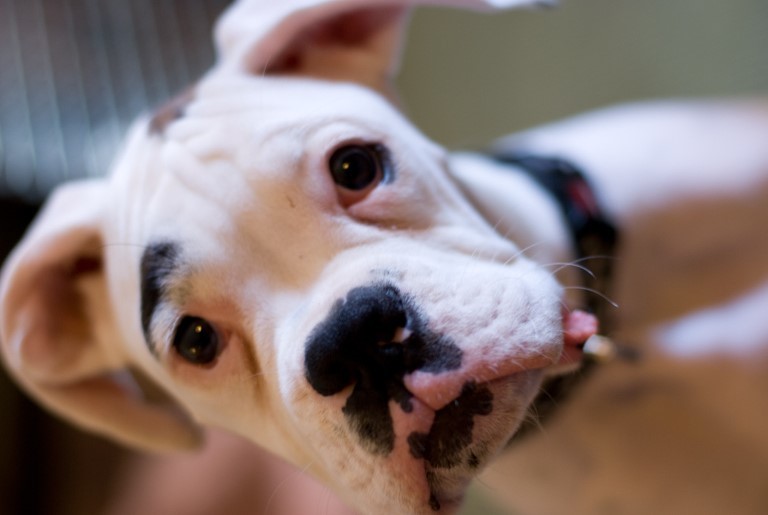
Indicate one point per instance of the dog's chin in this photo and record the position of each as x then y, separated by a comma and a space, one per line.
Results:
432, 476
512, 396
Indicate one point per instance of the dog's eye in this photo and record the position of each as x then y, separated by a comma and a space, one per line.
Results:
357, 169
196, 341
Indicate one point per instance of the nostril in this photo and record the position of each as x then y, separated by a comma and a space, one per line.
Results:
391, 352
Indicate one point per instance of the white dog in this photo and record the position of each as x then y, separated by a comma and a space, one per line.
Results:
280, 253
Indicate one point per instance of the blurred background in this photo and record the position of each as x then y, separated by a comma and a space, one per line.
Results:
74, 73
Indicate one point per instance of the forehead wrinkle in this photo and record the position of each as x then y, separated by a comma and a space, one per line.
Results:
202, 181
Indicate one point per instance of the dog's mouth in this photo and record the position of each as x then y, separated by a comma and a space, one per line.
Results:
437, 390
472, 426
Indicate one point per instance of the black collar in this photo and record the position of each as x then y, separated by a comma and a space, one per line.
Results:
595, 240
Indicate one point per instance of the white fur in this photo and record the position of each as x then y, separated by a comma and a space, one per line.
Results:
240, 183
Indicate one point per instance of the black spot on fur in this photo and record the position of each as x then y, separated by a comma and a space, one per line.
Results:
157, 263
366, 412
451, 431
418, 444
353, 346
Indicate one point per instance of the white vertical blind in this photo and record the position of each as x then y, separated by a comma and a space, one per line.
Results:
74, 73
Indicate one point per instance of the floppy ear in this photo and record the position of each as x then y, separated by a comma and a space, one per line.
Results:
57, 332
354, 40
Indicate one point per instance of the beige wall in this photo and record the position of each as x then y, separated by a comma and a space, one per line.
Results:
469, 77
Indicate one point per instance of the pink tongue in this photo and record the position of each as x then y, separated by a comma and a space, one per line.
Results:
437, 390
578, 327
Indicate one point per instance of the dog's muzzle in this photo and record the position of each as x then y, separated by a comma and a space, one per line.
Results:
376, 347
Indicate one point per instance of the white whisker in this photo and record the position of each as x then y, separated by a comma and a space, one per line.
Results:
590, 290
563, 266
593, 257
522, 252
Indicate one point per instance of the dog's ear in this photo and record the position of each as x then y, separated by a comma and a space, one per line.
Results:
353, 40
57, 331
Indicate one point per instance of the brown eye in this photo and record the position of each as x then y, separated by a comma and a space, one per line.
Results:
357, 169
196, 341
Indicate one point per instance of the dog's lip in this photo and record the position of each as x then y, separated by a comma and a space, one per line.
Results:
436, 391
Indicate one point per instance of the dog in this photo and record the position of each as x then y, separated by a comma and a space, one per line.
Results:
280, 253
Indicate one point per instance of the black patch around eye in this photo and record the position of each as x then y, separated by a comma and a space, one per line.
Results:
157, 263
196, 341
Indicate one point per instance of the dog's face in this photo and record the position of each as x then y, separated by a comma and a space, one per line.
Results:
289, 259
315, 281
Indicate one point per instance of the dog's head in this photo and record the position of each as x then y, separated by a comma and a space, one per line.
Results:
286, 256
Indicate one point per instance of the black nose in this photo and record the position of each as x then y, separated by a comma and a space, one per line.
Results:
354, 346
354, 343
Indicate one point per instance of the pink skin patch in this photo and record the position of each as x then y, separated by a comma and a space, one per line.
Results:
418, 420
437, 390
578, 327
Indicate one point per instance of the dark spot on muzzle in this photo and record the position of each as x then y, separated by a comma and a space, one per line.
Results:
451, 431
353, 347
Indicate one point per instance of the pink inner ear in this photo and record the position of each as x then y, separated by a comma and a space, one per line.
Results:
345, 30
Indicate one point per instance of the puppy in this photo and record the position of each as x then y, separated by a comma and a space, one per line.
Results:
281, 254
